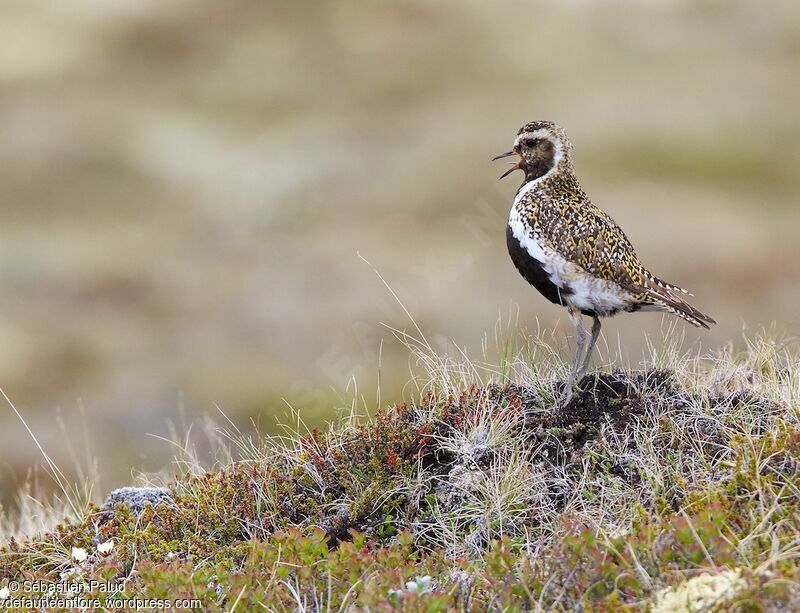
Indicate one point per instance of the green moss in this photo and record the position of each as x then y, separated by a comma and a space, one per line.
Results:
629, 491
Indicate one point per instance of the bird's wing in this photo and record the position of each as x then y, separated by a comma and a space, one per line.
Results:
589, 238
594, 242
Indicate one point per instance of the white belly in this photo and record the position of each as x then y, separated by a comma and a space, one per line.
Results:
582, 291
598, 295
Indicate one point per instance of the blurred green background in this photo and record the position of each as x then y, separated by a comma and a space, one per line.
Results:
186, 184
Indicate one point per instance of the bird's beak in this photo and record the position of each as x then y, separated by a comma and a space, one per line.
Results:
517, 166
503, 155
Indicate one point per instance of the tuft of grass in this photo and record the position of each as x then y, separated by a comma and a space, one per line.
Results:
673, 484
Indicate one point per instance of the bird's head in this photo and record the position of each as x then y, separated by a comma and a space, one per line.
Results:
540, 147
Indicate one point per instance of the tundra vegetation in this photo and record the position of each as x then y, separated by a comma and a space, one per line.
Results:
673, 485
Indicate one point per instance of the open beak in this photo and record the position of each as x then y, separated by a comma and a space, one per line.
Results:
504, 155
517, 166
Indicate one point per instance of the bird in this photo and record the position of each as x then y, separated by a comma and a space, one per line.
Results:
573, 252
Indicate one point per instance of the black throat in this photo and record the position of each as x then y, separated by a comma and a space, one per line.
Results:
538, 168
540, 161
535, 170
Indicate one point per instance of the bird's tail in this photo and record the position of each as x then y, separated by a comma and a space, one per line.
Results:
666, 295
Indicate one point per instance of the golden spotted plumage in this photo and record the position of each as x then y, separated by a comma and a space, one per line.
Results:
572, 251
561, 216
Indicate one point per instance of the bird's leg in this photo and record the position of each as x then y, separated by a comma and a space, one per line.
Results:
581, 342
596, 325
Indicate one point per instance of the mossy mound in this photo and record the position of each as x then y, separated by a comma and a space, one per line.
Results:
492, 498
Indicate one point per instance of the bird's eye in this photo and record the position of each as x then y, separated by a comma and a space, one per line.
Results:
529, 142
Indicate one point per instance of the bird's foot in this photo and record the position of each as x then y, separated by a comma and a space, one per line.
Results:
566, 395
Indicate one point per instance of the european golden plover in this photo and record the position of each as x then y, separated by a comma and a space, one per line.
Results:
574, 253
